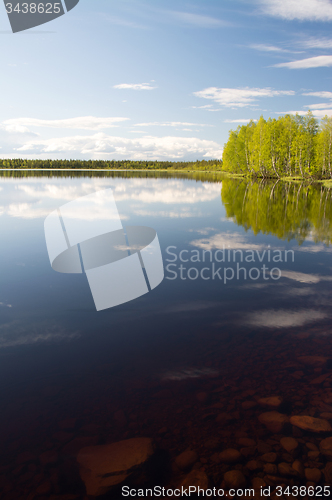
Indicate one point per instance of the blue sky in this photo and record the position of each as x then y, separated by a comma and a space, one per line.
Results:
152, 79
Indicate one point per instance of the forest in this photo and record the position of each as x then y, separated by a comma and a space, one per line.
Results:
291, 145
287, 210
200, 165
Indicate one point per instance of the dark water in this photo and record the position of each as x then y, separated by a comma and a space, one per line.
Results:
184, 364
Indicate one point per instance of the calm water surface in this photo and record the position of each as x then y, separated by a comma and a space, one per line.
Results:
175, 362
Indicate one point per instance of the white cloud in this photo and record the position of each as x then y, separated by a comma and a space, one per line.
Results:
317, 43
303, 10
239, 97
14, 128
310, 62
171, 124
207, 106
322, 105
135, 86
284, 318
82, 122
266, 48
323, 94
319, 113
136, 148
198, 20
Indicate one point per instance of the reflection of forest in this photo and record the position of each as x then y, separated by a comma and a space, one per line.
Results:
125, 174
286, 210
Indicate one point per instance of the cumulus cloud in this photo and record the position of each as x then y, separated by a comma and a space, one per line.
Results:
323, 94
322, 105
135, 86
239, 97
81, 122
119, 147
310, 62
14, 128
303, 10
320, 113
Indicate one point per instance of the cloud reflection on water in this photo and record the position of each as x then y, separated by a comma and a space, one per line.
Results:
284, 318
19, 333
35, 198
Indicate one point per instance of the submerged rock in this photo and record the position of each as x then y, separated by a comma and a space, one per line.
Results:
271, 402
310, 423
273, 421
196, 478
234, 479
186, 459
299, 467
289, 444
230, 456
314, 475
287, 470
314, 361
102, 467
328, 473
326, 447
269, 457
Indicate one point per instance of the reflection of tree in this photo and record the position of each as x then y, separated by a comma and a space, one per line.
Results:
286, 210
128, 174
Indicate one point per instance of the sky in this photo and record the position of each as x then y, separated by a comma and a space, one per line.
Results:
157, 80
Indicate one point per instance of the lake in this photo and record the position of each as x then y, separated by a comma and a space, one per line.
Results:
243, 314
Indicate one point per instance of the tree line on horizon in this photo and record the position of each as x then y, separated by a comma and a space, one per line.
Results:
291, 145
110, 164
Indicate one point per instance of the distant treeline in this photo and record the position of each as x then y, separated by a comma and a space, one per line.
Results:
112, 164
288, 146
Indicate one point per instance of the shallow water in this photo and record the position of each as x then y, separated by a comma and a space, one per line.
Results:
220, 325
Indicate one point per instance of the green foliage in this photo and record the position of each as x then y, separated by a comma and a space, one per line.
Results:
287, 146
287, 210
204, 165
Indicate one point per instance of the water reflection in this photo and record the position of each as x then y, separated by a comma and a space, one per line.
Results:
192, 365
284, 209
